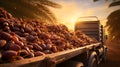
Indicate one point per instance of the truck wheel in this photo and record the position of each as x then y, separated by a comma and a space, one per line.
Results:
104, 54
75, 64
71, 64
92, 61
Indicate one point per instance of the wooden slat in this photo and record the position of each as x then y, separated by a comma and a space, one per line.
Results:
24, 63
65, 55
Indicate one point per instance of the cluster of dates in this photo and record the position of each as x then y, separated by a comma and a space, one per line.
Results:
21, 39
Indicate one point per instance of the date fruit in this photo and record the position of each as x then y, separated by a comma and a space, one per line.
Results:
2, 43
10, 54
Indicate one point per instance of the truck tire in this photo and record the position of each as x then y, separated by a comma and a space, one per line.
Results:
92, 60
104, 54
75, 64
71, 64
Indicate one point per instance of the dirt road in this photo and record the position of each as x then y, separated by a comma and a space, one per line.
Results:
113, 55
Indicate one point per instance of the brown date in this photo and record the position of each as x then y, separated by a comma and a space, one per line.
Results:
23, 53
34, 33
37, 47
15, 38
47, 51
3, 20
15, 47
31, 38
48, 46
43, 46
30, 55
30, 46
19, 58
38, 53
21, 44
6, 28
10, 54
9, 43
5, 35
0, 55
2, 43
54, 49
27, 49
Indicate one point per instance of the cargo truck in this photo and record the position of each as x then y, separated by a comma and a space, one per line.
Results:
87, 56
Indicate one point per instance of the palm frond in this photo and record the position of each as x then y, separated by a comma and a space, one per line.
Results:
113, 24
117, 3
46, 11
30, 9
48, 3
95, 0
99, 0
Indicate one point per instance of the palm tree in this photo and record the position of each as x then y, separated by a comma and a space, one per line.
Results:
30, 9
113, 23
115, 3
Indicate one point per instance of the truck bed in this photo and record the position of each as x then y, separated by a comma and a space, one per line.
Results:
49, 60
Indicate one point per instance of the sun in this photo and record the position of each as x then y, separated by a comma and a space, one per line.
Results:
73, 20
70, 22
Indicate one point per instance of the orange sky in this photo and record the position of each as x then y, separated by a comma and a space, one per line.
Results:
72, 9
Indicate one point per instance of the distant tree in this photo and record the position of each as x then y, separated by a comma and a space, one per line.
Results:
30, 9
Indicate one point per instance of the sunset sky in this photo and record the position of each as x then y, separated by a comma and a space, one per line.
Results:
72, 9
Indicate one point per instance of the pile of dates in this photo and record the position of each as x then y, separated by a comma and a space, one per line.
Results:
20, 38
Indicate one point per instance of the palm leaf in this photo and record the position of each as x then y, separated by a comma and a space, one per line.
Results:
117, 3
95, 0
46, 11
99, 0
48, 3
30, 9
113, 24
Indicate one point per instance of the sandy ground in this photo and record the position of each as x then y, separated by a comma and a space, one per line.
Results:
113, 55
